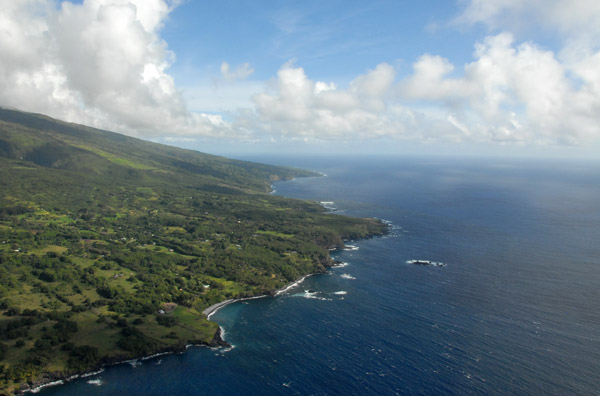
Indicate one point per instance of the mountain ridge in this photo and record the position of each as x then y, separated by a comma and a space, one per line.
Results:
58, 144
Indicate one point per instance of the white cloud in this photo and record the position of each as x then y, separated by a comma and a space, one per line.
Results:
510, 92
513, 92
101, 62
573, 17
242, 72
296, 106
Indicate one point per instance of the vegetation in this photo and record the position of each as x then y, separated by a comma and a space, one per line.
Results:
111, 247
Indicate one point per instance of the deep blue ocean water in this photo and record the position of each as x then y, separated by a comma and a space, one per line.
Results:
515, 311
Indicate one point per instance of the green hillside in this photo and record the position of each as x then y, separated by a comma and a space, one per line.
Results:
111, 247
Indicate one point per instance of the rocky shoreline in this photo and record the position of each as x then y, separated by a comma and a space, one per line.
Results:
59, 378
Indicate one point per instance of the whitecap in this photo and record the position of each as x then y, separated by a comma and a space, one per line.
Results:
225, 350
340, 265
329, 205
134, 363
39, 388
291, 285
222, 334
347, 276
92, 373
97, 382
350, 247
312, 295
341, 292
155, 355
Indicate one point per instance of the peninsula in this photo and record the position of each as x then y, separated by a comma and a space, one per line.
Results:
112, 247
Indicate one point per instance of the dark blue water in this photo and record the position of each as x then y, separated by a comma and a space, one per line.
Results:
515, 311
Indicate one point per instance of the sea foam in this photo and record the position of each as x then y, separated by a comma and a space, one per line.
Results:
97, 382
340, 265
312, 295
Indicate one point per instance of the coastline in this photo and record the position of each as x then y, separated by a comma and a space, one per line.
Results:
215, 307
53, 379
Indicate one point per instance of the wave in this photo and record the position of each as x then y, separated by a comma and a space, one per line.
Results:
291, 285
39, 388
225, 350
311, 294
91, 373
97, 382
341, 292
347, 276
222, 334
329, 205
134, 363
340, 265
350, 247
156, 355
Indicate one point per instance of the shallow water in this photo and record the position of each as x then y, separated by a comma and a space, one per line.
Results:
516, 309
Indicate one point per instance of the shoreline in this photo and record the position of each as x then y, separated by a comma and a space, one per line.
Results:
53, 379
47, 379
217, 342
215, 307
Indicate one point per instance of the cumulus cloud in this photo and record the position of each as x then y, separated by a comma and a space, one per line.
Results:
511, 91
101, 62
520, 91
298, 107
575, 23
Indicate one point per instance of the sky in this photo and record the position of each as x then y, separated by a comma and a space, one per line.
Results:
466, 77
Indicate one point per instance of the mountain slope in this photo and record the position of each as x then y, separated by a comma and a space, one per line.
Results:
55, 144
111, 247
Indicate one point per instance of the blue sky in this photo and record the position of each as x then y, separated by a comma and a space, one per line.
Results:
502, 77
335, 40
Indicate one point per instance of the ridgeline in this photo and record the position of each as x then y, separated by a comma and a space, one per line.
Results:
111, 246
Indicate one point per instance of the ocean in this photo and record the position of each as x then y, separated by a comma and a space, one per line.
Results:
515, 309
